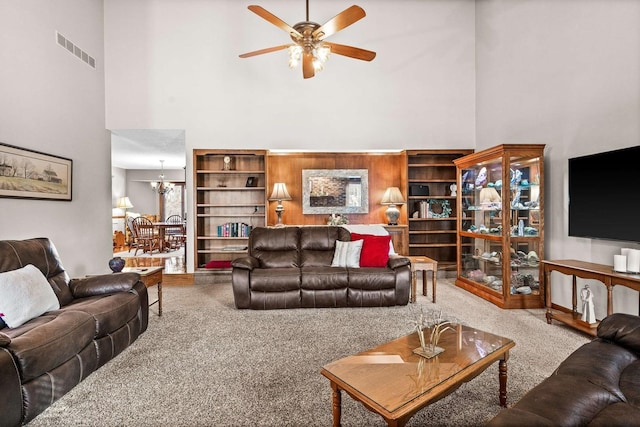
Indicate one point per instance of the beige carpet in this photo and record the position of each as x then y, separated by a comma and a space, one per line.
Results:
204, 363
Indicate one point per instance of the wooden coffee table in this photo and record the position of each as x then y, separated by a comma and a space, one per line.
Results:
392, 381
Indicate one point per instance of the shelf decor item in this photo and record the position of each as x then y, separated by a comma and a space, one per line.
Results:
228, 163
439, 208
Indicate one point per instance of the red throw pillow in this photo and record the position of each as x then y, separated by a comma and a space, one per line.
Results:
375, 249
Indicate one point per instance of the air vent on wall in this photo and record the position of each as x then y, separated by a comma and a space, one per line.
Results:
75, 50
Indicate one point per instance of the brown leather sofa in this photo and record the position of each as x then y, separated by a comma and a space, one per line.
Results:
290, 267
597, 385
47, 356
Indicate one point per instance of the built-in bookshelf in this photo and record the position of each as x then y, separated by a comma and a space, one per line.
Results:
230, 200
431, 204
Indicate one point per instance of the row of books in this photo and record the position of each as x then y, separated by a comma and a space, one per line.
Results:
234, 229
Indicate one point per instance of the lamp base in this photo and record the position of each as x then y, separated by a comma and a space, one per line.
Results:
279, 210
393, 213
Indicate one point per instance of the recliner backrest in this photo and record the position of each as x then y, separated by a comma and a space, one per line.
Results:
317, 244
40, 252
274, 247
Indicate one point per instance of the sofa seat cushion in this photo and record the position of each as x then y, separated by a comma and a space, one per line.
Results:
372, 278
324, 278
275, 279
618, 414
109, 312
45, 342
630, 383
600, 363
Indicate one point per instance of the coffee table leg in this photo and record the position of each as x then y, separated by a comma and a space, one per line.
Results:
502, 375
414, 279
337, 404
159, 298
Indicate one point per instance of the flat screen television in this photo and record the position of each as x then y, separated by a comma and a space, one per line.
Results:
604, 195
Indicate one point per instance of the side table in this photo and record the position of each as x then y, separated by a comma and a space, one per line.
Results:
423, 263
150, 276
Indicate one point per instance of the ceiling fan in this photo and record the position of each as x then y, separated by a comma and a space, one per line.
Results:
308, 39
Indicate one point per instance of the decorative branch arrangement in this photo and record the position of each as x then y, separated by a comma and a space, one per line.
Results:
437, 326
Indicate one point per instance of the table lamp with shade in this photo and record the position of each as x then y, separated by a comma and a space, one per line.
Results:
392, 197
124, 203
280, 193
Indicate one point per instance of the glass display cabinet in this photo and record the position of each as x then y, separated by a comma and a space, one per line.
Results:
501, 224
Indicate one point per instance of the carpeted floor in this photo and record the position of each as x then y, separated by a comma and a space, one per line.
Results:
204, 363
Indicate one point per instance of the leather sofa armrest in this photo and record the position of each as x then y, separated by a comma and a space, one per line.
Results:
396, 261
103, 284
622, 329
5, 340
246, 263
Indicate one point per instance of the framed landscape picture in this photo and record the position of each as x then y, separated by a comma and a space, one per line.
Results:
29, 174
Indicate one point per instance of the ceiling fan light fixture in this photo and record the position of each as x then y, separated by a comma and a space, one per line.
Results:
308, 37
295, 54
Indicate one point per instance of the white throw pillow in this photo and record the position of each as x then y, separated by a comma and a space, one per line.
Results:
347, 254
25, 294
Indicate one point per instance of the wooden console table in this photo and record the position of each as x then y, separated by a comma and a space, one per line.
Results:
585, 270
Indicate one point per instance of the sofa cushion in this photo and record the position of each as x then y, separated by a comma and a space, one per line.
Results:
275, 279
110, 312
317, 244
372, 278
41, 253
375, 249
623, 329
347, 254
47, 341
274, 247
25, 294
324, 278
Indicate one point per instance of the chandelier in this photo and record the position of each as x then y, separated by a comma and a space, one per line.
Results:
162, 187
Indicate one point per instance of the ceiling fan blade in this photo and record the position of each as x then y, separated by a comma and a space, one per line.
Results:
265, 14
350, 51
339, 22
267, 50
307, 66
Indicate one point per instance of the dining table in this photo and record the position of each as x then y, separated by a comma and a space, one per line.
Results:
161, 227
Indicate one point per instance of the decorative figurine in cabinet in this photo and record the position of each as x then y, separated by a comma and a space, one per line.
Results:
501, 224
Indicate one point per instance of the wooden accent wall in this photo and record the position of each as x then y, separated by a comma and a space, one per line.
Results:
385, 170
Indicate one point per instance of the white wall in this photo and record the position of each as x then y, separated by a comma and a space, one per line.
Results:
173, 64
53, 102
565, 73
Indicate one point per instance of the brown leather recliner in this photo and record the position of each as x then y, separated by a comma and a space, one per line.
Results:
290, 267
597, 385
45, 357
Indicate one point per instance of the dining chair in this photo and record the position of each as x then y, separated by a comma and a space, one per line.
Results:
175, 236
131, 234
146, 238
